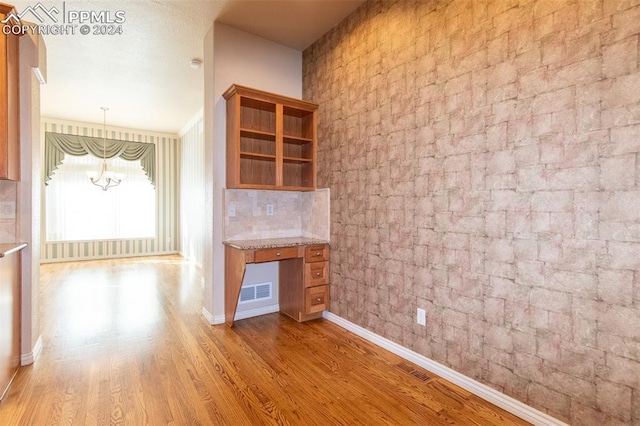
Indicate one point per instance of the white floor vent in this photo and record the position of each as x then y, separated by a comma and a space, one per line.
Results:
254, 292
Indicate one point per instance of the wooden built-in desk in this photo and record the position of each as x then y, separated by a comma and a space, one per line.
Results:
304, 274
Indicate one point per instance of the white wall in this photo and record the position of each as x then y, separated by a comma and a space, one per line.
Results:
233, 56
32, 61
192, 190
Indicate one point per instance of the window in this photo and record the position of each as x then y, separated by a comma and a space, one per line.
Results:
77, 210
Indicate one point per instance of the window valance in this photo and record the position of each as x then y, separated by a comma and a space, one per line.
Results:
59, 144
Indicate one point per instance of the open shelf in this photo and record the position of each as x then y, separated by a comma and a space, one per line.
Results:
255, 156
297, 140
257, 170
297, 123
297, 174
271, 141
257, 134
257, 115
296, 160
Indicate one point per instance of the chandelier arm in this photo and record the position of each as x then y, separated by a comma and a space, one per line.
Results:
109, 182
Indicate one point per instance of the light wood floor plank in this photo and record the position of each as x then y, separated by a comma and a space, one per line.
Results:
125, 344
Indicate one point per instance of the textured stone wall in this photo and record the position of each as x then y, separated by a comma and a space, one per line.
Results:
483, 164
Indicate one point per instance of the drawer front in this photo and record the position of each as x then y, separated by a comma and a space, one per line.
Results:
316, 273
316, 299
269, 255
319, 253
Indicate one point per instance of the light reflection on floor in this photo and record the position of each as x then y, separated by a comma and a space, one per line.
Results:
123, 299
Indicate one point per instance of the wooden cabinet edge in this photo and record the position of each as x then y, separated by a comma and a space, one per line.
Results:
266, 96
10, 103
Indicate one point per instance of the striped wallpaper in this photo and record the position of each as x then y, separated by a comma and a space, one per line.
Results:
192, 191
167, 199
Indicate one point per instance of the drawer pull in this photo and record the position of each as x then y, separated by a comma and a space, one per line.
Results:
319, 253
278, 254
318, 300
317, 274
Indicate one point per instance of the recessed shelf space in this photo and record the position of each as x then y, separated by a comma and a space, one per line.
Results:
257, 143
256, 170
257, 115
297, 174
297, 123
297, 150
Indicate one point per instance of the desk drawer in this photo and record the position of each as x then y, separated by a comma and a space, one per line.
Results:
269, 255
316, 273
316, 299
319, 253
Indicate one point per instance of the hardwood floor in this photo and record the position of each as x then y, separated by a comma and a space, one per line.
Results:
125, 343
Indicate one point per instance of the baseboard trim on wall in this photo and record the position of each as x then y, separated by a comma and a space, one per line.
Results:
209, 316
32, 356
110, 256
485, 392
249, 313
263, 310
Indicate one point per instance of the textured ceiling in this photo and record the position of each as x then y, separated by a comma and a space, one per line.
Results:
296, 24
143, 75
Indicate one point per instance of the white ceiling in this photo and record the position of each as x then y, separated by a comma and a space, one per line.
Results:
143, 75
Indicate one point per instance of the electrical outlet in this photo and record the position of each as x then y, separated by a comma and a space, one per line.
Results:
232, 210
422, 317
269, 209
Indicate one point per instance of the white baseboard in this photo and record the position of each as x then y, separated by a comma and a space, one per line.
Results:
249, 313
208, 315
109, 256
218, 319
31, 357
503, 401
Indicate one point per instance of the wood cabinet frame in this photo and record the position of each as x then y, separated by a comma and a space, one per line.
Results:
271, 141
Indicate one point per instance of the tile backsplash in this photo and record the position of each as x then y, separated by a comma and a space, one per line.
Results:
252, 214
8, 213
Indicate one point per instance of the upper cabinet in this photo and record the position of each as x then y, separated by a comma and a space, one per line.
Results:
271, 141
9, 103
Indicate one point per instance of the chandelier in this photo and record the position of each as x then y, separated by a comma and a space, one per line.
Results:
105, 179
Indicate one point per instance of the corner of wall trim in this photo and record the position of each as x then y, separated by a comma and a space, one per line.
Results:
31, 357
208, 315
503, 401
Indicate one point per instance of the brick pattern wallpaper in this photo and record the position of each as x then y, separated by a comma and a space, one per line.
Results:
483, 164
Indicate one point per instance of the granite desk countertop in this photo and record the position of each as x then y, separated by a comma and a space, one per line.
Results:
266, 243
8, 248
